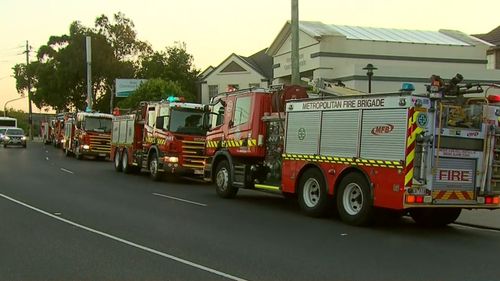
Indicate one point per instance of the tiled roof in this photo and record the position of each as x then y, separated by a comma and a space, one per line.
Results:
261, 62
493, 36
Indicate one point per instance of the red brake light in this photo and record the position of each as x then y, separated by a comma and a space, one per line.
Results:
494, 98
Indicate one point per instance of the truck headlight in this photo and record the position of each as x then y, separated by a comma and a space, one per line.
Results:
6, 138
171, 159
23, 138
86, 147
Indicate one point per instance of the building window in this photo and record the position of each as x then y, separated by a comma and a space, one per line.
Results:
242, 111
213, 90
254, 85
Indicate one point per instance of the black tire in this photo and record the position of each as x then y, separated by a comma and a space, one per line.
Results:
435, 217
223, 180
153, 168
5, 145
127, 168
312, 193
118, 161
354, 200
24, 145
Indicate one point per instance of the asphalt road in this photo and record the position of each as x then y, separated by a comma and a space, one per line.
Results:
65, 219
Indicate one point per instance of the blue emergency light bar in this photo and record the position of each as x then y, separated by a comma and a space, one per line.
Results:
408, 87
175, 99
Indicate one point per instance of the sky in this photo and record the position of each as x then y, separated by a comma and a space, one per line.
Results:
214, 29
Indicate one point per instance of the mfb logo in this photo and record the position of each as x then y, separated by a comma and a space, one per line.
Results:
381, 130
454, 176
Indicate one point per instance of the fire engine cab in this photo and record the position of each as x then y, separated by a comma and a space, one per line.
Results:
88, 134
162, 137
429, 155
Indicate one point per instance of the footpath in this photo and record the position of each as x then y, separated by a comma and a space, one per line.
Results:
481, 218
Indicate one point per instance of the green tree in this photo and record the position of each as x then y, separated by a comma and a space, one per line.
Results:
180, 68
174, 64
122, 37
152, 90
59, 74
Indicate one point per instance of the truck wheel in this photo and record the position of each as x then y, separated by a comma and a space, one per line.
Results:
435, 217
223, 181
153, 168
354, 201
313, 196
127, 169
118, 161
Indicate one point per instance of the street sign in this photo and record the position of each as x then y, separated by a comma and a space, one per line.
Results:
124, 87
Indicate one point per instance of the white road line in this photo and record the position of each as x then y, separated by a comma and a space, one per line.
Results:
47, 158
67, 171
144, 248
179, 199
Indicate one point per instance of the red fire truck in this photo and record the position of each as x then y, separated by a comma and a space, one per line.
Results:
58, 128
428, 155
88, 134
161, 137
46, 131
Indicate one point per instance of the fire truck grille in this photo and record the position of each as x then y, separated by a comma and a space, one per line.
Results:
100, 143
193, 153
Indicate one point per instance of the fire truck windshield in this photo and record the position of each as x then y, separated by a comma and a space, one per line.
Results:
187, 121
98, 124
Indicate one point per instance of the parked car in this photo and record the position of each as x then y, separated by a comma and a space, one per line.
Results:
14, 136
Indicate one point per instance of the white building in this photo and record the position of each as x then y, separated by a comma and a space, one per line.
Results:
237, 72
492, 37
341, 52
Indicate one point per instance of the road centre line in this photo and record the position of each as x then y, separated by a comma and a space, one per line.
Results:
67, 171
138, 246
179, 199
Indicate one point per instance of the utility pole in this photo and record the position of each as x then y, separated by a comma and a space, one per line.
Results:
295, 43
111, 98
30, 112
89, 74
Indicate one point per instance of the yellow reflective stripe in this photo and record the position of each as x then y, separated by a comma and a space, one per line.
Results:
343, 160
193, 166
410, 157
408, 177
193, 142
268, 187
